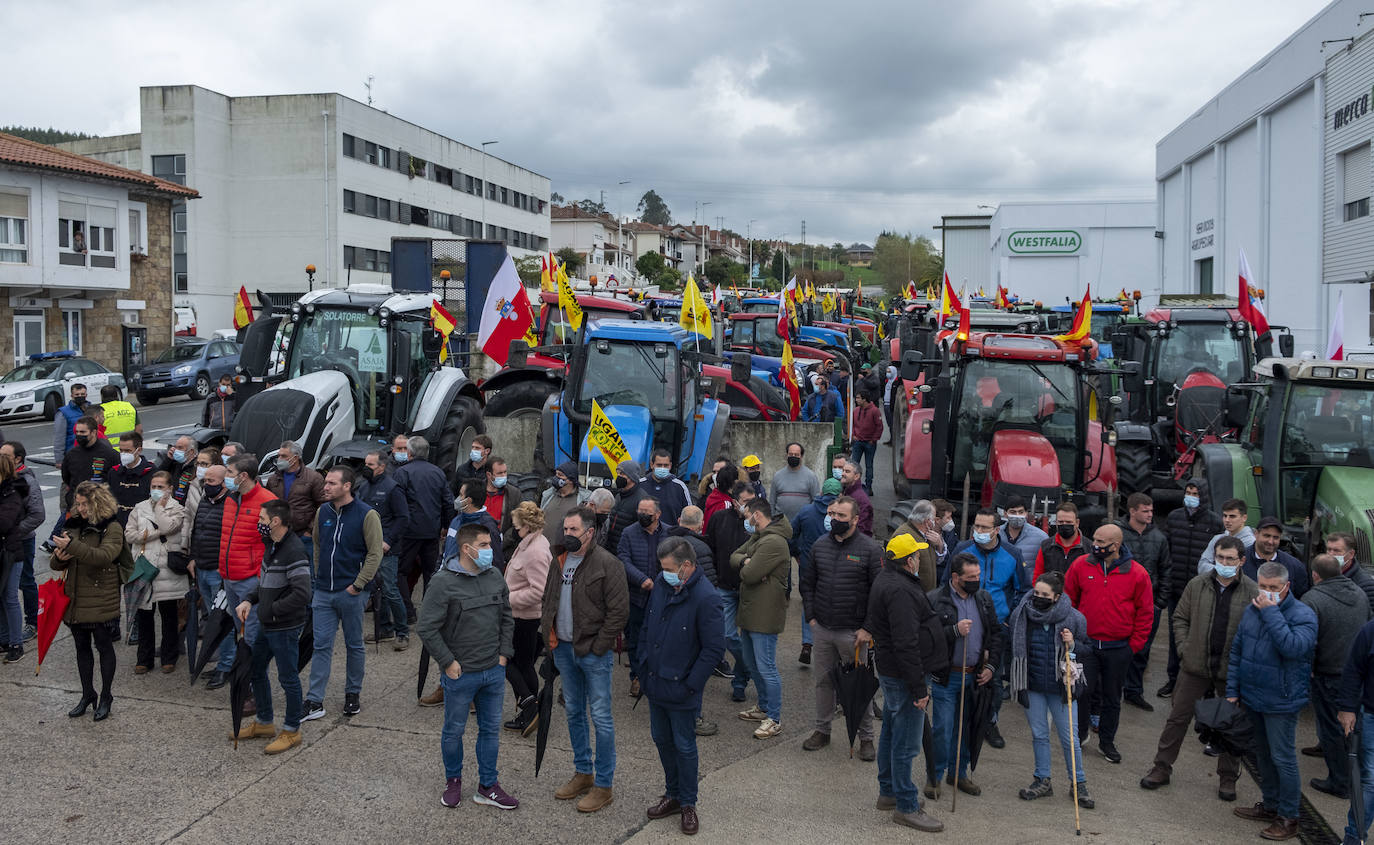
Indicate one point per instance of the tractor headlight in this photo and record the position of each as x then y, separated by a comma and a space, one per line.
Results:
1347, 372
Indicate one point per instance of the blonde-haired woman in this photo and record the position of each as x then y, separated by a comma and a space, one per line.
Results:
527, 570
88, 549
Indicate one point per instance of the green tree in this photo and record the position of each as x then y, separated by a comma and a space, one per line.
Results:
720, 270
667, 277
43, 136
556, 198
528, 269
572, 262
649, 265
652, 209
591, 206
779, 266
898, 258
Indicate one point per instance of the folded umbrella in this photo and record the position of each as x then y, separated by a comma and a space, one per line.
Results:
52, 604
306, 647
1225, 726
855, 685
218, 625
424, 671
981, 709
548, 671
192, 627
240, 685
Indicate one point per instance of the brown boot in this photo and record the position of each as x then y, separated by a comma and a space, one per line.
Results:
434, 699
255, 729
285, 741
1281, 829
1258, 813
579, 784
1158, 776
599, 797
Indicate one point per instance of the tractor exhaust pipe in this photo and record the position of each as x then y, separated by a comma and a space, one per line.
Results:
963, 519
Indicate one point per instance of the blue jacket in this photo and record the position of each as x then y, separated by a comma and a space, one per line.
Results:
1298, 580
1271, 657
342, 550
63, 434
671, 493
808, 526
428, 498
638, 551
387, 498
818, 402
1002, 575
483, 519
682, 640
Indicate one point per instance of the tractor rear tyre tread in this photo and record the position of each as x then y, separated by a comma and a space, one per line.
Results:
520, 396
1133, 467
462, 422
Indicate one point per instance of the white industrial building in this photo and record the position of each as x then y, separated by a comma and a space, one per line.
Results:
1278, 165
312, 179
964, 245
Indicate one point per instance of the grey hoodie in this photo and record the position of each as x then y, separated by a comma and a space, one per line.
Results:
1206, 562
1341, 609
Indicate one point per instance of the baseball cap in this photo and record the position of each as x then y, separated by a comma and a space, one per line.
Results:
751, 461
1269, 522
904, 546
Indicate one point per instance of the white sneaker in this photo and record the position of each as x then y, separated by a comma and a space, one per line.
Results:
767, 729
753, 714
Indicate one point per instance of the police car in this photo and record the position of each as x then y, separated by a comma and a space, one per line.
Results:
44, 384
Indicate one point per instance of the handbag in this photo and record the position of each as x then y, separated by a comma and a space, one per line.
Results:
1079, 686
179, 562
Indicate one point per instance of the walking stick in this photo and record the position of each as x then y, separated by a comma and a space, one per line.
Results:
959, 739
1073, 737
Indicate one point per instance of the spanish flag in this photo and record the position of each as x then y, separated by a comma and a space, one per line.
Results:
789, 378
949, 301
444, 324
1003, 301
1082, 319
243, 309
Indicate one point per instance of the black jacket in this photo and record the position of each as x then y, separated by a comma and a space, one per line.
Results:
283, 591
835, 587
14, 494
428, 499
34, 511
725, 534
706, 561
87, 463
1299, 581
942, 599
1150, 549
129, 486
1188, 535
1363, 580
387, 498
900, 618
623, 515
205, 529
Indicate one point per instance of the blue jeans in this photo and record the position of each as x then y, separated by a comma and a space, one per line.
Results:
898, 744
1366, 729
28, 587
861, 449
761, 659
332, 611
1043, 705
729, 609
238, 592
390, 607
488, 689
587, 681
674, 732
283, 647
1276, 756
945, 699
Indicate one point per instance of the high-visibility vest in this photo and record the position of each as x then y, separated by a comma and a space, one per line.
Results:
120, 418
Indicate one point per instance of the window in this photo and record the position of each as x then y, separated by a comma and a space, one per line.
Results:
439, 220
14, 224
375, 260
1355, 181
71, 331
170, 167
136, 231
350, 202
1204, 275
348, 145
383, 209
181, 283
418, 167
419, 216
85, 230
369, 205
384, 157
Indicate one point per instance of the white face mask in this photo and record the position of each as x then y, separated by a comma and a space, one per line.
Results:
1272, 596
127, 458
200, 472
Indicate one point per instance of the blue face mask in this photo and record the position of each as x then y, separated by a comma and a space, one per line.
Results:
225, 459
661, 473
499, 481
672, 579
827, 523
749, 527
401, 457
1191, 502
483, 560
179, 455
231, 483
1225, 571
475, 455
836, 472
982, 538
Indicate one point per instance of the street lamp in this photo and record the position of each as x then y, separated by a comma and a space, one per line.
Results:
703, 241
619, 233
485, 144
749, 236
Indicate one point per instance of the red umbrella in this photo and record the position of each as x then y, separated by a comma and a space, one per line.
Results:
52, 604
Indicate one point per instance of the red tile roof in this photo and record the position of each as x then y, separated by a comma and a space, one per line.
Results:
27, 153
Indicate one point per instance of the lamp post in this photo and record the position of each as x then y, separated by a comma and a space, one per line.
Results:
485, 144
619, 233
703, 242
749, 236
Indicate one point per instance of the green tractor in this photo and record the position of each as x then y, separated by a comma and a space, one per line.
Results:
1305, 453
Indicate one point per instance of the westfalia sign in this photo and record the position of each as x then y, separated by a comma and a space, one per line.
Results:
1044, 242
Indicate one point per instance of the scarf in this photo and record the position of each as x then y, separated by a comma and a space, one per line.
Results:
1025, 613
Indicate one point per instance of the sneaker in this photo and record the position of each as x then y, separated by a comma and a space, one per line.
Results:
918, 820
402, 643
495, 796
285, 741
386, 637
1039, 788
767, 729
1085, 800
705, 727
1210, 750
1109, 751
133, 636
1166, 691
722, 670
30, 632
434, 699
453, 793
753, 714
352, 706
1135, 699
313, 710
816, 741
14, 654
805, 657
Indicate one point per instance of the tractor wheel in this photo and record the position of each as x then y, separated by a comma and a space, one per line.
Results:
1133, 467
463, 422
901, 486
531, 484
521, 398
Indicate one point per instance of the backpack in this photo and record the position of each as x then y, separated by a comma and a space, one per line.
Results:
931, 639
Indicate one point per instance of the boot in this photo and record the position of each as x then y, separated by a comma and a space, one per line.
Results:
1084, 799
1158, 776
1280, 829
918, 820
102, 708
932, 791
80, 708
255, 729
528, 711
1039, 788
579, 784
284, 741
434, 699
598, 797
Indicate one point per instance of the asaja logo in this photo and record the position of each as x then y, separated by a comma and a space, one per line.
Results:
1044, 242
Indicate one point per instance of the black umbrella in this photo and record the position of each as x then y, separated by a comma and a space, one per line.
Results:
424, 671
377, 614
240, 685
218, 625
1225, 726
192, 628
980, 710
1353, 747
306, 648
855, 685
928, 743
548, 672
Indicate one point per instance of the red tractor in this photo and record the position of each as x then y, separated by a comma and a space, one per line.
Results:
997, 415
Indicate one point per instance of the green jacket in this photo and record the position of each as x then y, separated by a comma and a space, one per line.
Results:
467, 618
763, 564
1192, 623
93, 572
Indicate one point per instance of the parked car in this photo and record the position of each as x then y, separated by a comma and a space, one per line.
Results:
186, 321
191, 368
44, 384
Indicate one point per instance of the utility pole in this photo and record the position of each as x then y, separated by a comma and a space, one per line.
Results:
619, 232
803, 244
703, 255
485, 144
749, 236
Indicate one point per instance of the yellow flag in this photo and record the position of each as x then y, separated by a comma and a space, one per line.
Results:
882, 306
828, 302
567, 300
696, 314
546, 274
882, 330
605, 438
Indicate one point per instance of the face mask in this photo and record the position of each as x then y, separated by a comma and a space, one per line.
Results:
225, 459
793, 461
179, 455
646, 519
1272, 596
366, 474
1225, 571
1101, 552
155, 496
475, 455
948, 526
1191, 502
77, 402
982, 538
1066, 531
601, 519
224, 390
836, 472
401, 457
231, 483
672, 579
571, 543
749, 528
283, 464
499, 482
483, 559
661, 473
127, 458
265, 531
1041, 602
828, 523
559, 483
969, 586
754, 475
213, 490
1017, 522
200, 472
621, 482
837, 527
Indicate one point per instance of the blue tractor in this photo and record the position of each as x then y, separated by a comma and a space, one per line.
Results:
647, 377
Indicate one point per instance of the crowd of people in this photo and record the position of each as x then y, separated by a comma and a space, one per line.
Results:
694, 583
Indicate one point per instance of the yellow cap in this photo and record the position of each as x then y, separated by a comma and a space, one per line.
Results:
904, 546
751, 461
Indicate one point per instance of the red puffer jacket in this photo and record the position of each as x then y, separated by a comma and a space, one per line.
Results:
240, 546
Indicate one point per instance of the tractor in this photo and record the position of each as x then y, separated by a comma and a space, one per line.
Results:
997, 414
1305, 454
347, 369
1188, 350
647, 378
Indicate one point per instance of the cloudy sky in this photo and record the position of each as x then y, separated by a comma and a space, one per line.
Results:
852, 116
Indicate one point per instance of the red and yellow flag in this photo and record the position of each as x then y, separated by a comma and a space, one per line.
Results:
1003, 301
1082, 319
243, 309
789, 378
949, 301
444, 324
